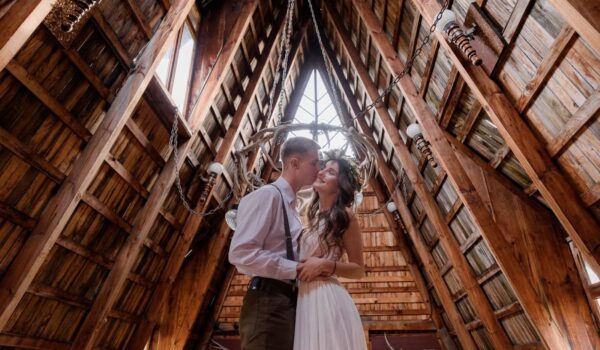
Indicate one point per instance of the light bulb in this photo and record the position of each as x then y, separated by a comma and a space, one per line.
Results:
216, 168
358, 198
413, 130
391, 207
230, 218
447, 18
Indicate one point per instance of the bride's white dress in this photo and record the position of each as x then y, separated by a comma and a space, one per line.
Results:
326, 317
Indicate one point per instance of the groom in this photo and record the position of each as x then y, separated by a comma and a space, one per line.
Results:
264, 247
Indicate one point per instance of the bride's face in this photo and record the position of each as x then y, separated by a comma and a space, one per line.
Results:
327, 179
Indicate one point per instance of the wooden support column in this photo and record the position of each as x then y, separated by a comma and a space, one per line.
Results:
177, 320
478, 298
538, 245
555, 332
21, 20
547, 178
388, 180
55, 216
218, 306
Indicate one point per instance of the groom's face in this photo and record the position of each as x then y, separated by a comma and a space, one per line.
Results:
309, 167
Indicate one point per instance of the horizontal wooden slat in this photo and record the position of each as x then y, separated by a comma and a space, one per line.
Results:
25, 152
49, 101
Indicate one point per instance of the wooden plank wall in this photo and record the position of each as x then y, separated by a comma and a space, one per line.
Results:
52, 103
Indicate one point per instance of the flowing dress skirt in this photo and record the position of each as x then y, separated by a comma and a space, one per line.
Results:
326, 318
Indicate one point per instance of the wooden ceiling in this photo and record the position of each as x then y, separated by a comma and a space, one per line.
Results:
98, 251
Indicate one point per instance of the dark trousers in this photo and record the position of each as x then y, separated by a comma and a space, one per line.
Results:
268, 315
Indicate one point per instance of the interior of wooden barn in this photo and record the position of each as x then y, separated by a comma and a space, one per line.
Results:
130, 130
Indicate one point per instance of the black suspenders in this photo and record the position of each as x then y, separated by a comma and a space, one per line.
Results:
288, 236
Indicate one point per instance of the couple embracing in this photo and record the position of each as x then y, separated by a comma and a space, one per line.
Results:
294, 300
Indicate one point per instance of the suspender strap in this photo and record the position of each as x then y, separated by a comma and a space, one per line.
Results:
288, 236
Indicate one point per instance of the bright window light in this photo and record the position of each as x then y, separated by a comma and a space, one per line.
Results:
316, 106
183, 68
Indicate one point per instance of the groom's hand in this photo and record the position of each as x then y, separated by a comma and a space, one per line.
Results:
309, 269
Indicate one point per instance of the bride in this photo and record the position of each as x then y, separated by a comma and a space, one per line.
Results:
326, 317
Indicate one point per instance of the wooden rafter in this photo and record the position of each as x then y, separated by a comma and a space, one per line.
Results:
547, 178
145, 219
389, 182
56, 214
476, 294
550, 330
583, 16
18, 24
158, 298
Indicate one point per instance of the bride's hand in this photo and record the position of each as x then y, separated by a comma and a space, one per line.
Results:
309, 269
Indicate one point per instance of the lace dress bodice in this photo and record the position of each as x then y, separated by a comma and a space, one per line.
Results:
310, 244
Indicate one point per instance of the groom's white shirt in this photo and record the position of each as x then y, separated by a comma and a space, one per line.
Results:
258, 244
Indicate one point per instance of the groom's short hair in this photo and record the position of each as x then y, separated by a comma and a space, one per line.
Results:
297, 146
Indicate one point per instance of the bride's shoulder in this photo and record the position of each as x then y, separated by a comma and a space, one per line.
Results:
351, 214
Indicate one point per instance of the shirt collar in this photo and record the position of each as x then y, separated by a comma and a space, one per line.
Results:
286, 189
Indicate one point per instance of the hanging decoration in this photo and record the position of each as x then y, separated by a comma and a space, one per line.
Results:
259, 141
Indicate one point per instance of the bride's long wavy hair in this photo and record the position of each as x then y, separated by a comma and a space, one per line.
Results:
336, 218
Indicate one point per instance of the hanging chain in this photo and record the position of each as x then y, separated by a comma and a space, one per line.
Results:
282, 60
396, 79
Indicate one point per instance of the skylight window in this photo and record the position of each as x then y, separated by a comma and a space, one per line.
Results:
316, 107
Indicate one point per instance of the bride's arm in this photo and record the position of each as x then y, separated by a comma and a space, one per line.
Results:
354, 268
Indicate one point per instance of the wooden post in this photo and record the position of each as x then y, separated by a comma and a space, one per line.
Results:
55, 216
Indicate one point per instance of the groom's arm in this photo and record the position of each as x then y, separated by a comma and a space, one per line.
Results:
255, 218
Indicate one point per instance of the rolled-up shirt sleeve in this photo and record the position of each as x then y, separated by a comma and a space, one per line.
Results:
254, 220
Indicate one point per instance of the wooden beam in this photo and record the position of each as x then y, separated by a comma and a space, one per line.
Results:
24, 151
546, 67
56, 215
48, 100
211, 87
409, 326
167, 278
477, 296
140, 18
551, 331
583, 16
160, 99
18, 24
547, 178
144, 220
16, 217
25, 342
389, 182
586, 113
470, 121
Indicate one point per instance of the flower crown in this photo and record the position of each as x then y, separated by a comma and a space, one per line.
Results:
354, 175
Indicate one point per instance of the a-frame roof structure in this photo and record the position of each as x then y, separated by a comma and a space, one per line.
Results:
495, 248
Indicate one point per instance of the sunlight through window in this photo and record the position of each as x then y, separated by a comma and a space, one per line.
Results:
316, 107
